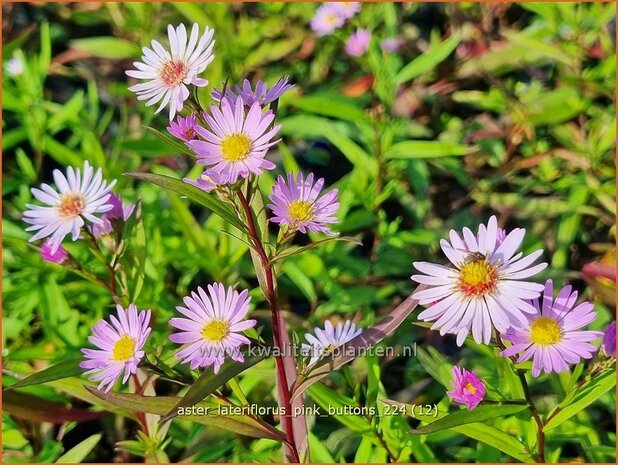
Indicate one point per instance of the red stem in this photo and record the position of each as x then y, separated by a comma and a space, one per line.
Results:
274, 312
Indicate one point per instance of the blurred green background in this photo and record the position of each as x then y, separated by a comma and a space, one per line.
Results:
505, 109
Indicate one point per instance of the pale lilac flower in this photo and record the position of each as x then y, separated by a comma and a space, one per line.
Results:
552, 337
119, 212
208, 181
58, 257
261, 94
466, 388
299, 205
327, 340
390, 44
80, 197
326, 20
119, 346
235, 145
609, 339
483, 288
169, 73
345, 10
212, 329
14, 66
183, 128
358, 43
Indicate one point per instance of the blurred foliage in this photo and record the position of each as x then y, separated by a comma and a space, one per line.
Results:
486, 108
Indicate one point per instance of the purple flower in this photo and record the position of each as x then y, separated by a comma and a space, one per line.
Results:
483, 288
58, 257
345, 10
609, 339
466, 388
298, 204
81, 195
119, 212
208, 181
390, 44
183, 128
326, 20
235, 145
552, 337
168, 73
327, 340
213, 326
358, 43
119, 346
261, 94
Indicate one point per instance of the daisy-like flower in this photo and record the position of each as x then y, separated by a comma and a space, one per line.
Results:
58, 257
183, 128
14, 66
80, 197
235, 145
120, 212
261, 94
483, 288
169, 73
609, 339
299, 205
326, 20
208, 181
390, 44
358, 43
466, 388
346, 10
119, 346
327, 340
552, 336
213, 326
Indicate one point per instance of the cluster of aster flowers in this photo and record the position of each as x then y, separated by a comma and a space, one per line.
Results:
332, 16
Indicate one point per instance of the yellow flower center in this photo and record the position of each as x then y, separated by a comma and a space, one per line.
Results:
216, 330
235, 147
173, 73
332, 19
71, 205
300, 210
123, 349
470, 388
545, 331
477, 278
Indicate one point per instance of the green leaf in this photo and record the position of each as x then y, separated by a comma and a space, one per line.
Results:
64, 369
330, 105
415, 149
429, 60
206, 413
581, 397
197, 195
36, 409
80, 451
181, 148
329, 399
208, 383
107, 47
297, 250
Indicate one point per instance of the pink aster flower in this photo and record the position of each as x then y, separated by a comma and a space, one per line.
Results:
213, 326
183, 128
81, 195
235, 145
552, 335
326, 20
327, 340
298, 204
119, 346
390, 44
609, 339
169, 73
120, 212
483, 288
208, 181
345, 10
466, 388
358, 43
58, 257
261, 94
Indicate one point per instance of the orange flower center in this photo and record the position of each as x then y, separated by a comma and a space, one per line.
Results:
477, 278
71, 205
470, 388
173, 73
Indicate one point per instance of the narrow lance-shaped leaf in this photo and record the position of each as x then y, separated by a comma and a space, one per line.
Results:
37, 409
64, 369
80, 451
